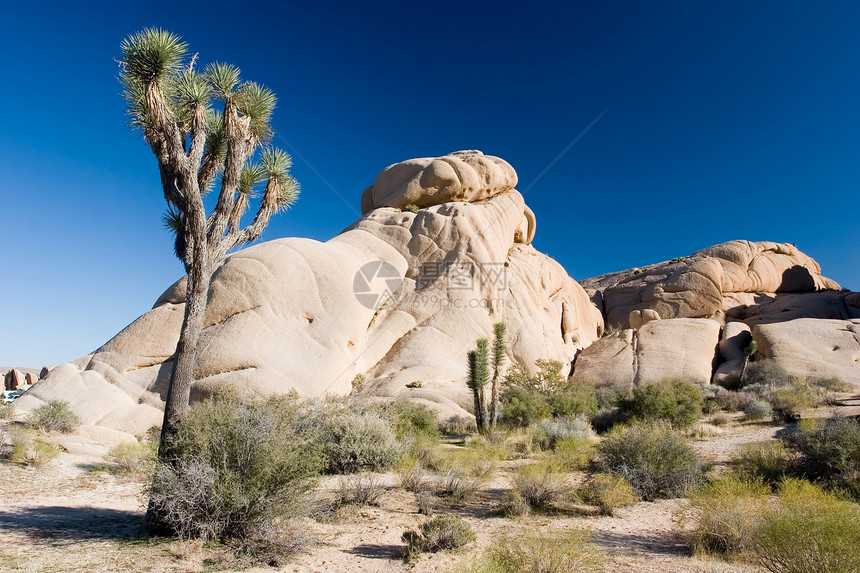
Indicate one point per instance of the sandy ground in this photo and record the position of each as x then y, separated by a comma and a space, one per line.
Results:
66, 517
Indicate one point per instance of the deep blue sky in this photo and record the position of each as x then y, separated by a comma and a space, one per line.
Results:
724, 120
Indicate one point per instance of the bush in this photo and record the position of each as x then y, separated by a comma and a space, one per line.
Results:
131, 456
732, 401
458, 485
540, 485
457, 426
829, 453
55, 416
30, 451
543, 552
758, 410
725, 514
768, 461
766, 373
232, 469
411, 419
809, 531
607, 492
574, 400
357, 441
565, 428
6, 411
413, 477
573, 454
674, 401
522, 406
607, 418
440, 533
359, 489
656, 460
789, 401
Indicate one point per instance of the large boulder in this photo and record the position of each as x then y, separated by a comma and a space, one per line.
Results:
813, 348
399, 297
706, 284
673, 349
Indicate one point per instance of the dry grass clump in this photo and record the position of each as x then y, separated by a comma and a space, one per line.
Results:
540, 485
542, 552
607, 492
359, 489
443, 532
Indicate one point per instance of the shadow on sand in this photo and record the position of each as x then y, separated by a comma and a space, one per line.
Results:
66, 524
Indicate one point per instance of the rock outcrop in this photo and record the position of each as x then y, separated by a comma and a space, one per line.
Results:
398, 297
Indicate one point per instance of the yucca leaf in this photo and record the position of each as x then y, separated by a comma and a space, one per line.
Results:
152, 54
224, 79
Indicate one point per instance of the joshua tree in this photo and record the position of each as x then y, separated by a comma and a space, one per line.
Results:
207, 130
498, 360
479, 375
749, 352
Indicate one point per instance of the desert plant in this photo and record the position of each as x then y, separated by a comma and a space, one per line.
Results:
656, 460
732, 401
359, 489
575, 399
829, 452
357, 441
458, 484
28, 450
131, 456
674, 401
499, 351
440, 533
6, 411
413, 477
573, 454
411, 207
540, 485
607, 418
543, 552
479, 376
758, 410
766, 373
411, 419
607, 492
749, 352
725, 514
235, 468
788, 402
457, 426
564, 428
524, 406
55, 416
768, 461
808, 531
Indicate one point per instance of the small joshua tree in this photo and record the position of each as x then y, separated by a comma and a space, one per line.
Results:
479, 376
498, 361
749, 352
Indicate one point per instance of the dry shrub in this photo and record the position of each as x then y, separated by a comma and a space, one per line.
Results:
540, 485
543, 552
768, 461
413, 477
440, 533
607, 492
357, 441
55, 416
359, 489
131, 457
30, 451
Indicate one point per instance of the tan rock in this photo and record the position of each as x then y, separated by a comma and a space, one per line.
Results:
813, 348
14, 380
735, 338
609, 361
703, 285
679, 349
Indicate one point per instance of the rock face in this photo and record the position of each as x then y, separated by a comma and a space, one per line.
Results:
768, 292
708, 284
398, 297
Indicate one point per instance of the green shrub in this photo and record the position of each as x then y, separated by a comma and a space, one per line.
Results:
55, 416
542, 552
30, 451
809, 531
758, 410
573, 454
233, 469
411, 419
789, 401
442, 532
131, 456
607, 492
766, 373
574, 400
6, 411
357, 441
725, 514
523, 406
768, 461
607, 418
540, 485
552, 431
829, 453
656, 460
674, 401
